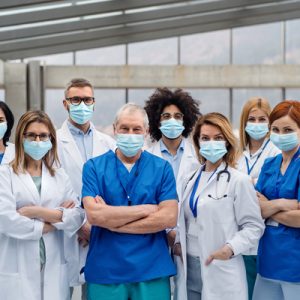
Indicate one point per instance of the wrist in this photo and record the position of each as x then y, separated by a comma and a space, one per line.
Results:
230, 250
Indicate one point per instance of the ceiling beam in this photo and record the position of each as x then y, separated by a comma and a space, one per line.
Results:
21, 3
181, 26
79, 10
127, 18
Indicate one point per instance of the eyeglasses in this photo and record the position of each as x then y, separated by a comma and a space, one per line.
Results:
168, 116
77, 100
30, 136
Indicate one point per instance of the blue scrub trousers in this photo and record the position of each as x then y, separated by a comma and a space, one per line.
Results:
269, 289
194, 280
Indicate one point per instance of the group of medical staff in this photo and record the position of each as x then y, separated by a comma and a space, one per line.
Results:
238, 230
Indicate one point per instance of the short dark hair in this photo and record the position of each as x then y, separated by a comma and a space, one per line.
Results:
163, 97
77, 82
9, 119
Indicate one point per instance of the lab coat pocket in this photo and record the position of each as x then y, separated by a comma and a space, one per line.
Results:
224, 277
10, 286
222, 210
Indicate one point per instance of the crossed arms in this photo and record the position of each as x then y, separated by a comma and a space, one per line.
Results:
284, 211
137, 219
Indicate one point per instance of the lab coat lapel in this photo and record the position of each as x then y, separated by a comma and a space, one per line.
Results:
9, 154
155, 149
70, 146
29, 185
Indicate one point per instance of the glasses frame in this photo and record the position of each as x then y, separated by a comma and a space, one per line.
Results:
167, 116
82, 99
26, 135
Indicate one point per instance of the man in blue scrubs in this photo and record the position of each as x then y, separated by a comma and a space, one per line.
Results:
130, 199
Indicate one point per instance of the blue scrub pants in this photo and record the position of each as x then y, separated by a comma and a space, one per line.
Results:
266, 289
194, 280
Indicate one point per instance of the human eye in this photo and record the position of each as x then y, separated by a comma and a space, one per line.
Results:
75, 100
178, 116
204, 138
166, 116
262, 120
30, 136
88, 100
44, 136
251, 119
275, 129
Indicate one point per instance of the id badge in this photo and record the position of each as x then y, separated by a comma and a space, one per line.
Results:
193, 229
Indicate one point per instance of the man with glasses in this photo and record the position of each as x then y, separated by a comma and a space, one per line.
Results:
172, 116
78, 142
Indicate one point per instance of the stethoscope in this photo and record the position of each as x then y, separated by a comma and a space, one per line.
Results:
193, 203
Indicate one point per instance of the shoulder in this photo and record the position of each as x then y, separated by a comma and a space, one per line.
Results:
272, 150
154, 159
105, 138
101, 159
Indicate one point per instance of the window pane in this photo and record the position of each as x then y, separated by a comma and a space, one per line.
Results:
2, 95
293, 42
241, 96
162, 52
260, 44
292, 94
55, 59
102, 56
204, 48
139, 96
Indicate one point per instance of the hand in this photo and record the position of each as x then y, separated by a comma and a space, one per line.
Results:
176, 249
261, 197
224, 253
99, 200
48, 228
84, 232
30, 212
171, 237
68, 204
83, 242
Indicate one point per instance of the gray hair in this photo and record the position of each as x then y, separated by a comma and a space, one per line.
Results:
77, 82
130, 108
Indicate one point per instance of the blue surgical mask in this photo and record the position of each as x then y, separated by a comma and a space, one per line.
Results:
171, 128
213, 150
257, 131
3, 129
37, 150
81, 113
285, 142
130, 144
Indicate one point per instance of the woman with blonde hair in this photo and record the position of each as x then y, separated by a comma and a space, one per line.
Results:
255, 147
37, 207
219, 218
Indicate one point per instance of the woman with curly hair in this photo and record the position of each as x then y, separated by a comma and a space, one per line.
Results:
172, 116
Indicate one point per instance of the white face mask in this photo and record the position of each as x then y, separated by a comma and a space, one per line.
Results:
3, 129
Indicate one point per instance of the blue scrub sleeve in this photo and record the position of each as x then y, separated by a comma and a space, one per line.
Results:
168, 185
89, 180
298, 187
261, 179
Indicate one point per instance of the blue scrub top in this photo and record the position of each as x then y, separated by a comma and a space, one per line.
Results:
1, 157
279, 247
118, 257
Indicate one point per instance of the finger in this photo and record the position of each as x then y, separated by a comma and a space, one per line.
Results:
209, 260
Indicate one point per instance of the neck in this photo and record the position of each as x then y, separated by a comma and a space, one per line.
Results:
210, 167
172, 144
2, 147
254, 145
33, 166
83, 127
288, 155
128, 160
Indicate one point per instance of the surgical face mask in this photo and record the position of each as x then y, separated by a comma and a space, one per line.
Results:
3, 129
171, 128
37, 150
285, 142
213, 150
81, 113
130, 144
257, 131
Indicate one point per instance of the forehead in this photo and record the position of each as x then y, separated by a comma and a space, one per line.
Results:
207, 129
85, 91
257, 112
284, 122
135, 118
37, 127
171, 109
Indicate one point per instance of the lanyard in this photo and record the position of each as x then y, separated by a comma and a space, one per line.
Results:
249, 170
194, 203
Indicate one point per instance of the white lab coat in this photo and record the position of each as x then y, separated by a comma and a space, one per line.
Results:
71, 160
270, 151
20, 275
188, 163
235, 219
9, 154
